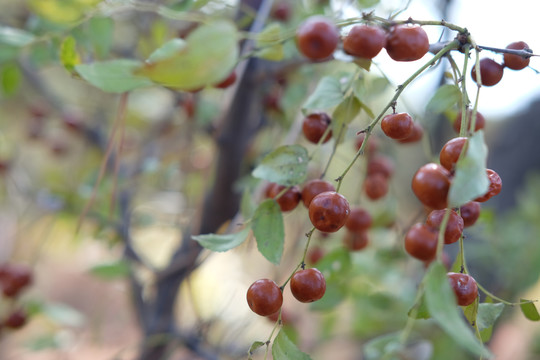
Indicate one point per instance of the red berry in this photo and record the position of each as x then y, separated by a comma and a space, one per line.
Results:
407, 43
289, 200
317, 37
355, 241
421, 242
359, 220
282, 11
451, 152
264, 297
430, 184
397, 126
314, 255
479, 123
415, 135
308, 285
454, 228
315, 125
495, 186
228, 81
372, 145
464, 287
329, 211
380, 164
364, 41
16, 320
313, 188
470, 212
490, 71
14, 278
516, 62
376, 186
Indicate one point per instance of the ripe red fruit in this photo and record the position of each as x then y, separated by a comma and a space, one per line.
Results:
495, 186
397, 126
228, 81
364, 41
289, 200
490, 71
479, 123
430, 184
372, 145
359, 220
470, 212
315, 125
16, 320
355, 240
451, 151
415, 135
282, 11
380, 164
308, 285
314, 255
421, 242
376, 186
407, 43
516, 62
317, 37
329, 211
454, 228
14, 278
313, 188
264, 297
464, 287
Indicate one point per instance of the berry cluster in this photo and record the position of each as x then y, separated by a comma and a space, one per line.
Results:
317, 38
14, 279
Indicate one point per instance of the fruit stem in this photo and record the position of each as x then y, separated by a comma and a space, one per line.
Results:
442, 232
303, 262
451, 46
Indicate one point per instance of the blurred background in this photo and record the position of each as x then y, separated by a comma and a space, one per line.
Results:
112, 264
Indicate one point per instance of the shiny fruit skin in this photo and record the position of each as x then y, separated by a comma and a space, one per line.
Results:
264, 297
451, 151
289, 200
415, 136
355, 241
470, 212
329, 211
495, 186
314, 126
490, 70
421, 242
313, 188
407, 43
480, 122
454, 228
516, 62
317, 37
465, 288
376, 186
431, 184
308, 285
397, 126
359, 220
364, 41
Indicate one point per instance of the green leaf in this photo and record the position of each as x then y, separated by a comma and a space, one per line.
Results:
286, 165
367, 3
529, 310
268, 230
101, 35
444, 98
441, 303
284, 349
63, 314
470, 180
363, 63
333, 296
422, 311
247, 206
210, 54
114, 76
254, 347
268, 42
68, 53
15, 37
167, 50
487, 315
112, 270
377, 348
335, 265
471, 311
222, 242
326, 95
11, 79
367, 109
346, 111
